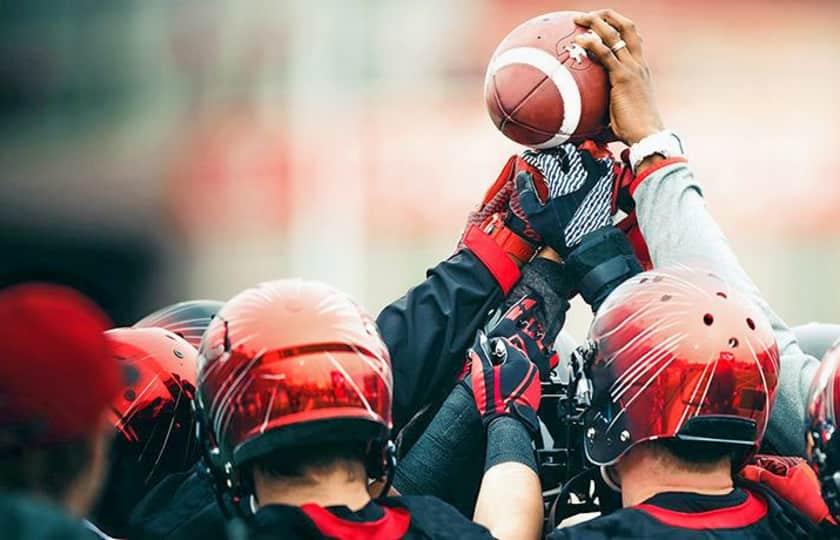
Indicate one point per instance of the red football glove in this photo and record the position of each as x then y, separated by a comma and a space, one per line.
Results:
792, 479
503, 382
502, 199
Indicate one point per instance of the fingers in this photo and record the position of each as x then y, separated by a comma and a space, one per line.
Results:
627, 30
528, 198
595, 45
608, 34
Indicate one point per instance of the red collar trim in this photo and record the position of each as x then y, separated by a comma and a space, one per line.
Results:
734, 517
394, 524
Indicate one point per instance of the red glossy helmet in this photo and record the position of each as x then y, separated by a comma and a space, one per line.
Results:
679, 354
153, 418
823, 412
292, 363
187, 319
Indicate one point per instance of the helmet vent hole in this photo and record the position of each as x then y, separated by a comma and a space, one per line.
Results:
751, 323
539, 37
733, 342
709, 319
643, 280
665, 297
722, 294
657, 279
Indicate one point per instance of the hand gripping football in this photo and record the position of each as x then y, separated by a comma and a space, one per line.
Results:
541, 88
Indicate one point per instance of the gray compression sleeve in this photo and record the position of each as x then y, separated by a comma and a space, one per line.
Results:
508, 440
678, 229
448, 459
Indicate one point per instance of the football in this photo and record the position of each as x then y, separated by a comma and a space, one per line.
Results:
542, 89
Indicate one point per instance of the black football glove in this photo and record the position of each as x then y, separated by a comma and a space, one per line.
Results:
580, 190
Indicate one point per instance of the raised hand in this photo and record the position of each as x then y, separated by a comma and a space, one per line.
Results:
617, 45
580, 189
503, 382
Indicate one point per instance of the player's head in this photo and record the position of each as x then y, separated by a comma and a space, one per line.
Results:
682, 359
823, 411
287, 366
152, 417
187, 319
57, 376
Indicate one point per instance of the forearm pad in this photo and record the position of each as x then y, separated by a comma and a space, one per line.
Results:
509, 441
602, 261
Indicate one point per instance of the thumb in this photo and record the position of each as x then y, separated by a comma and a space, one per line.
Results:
527, 191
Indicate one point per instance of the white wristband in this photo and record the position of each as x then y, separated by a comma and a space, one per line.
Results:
666, 143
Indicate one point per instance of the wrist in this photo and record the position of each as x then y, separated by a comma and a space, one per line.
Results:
508, 440
550, 254
495, 258
649, 162
517, 247
652, 149
640, 133
603, 260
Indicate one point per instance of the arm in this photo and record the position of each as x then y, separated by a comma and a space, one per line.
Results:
505, 388
447, 459
672, 214
510, 498
428, 330
678, 228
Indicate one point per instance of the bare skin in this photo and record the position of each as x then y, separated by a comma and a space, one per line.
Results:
645, 472
509, 486
344, 484
633, 111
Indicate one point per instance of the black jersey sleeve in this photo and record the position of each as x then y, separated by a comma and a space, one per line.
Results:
428, 330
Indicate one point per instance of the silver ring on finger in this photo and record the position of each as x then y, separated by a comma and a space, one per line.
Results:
620, 44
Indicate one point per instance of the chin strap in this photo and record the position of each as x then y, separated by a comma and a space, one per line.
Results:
389, 468
609, 478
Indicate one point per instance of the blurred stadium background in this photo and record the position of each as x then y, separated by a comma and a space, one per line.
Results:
162, 150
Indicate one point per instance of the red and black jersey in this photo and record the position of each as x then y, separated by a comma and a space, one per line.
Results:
743, 513
384, 519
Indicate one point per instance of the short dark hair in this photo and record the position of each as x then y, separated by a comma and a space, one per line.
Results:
299, 461
696, 454
48, 470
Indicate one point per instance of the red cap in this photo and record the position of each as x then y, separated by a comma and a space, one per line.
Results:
57, 374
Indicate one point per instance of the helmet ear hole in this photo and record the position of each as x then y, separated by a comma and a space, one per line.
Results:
708, 319
733, 342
